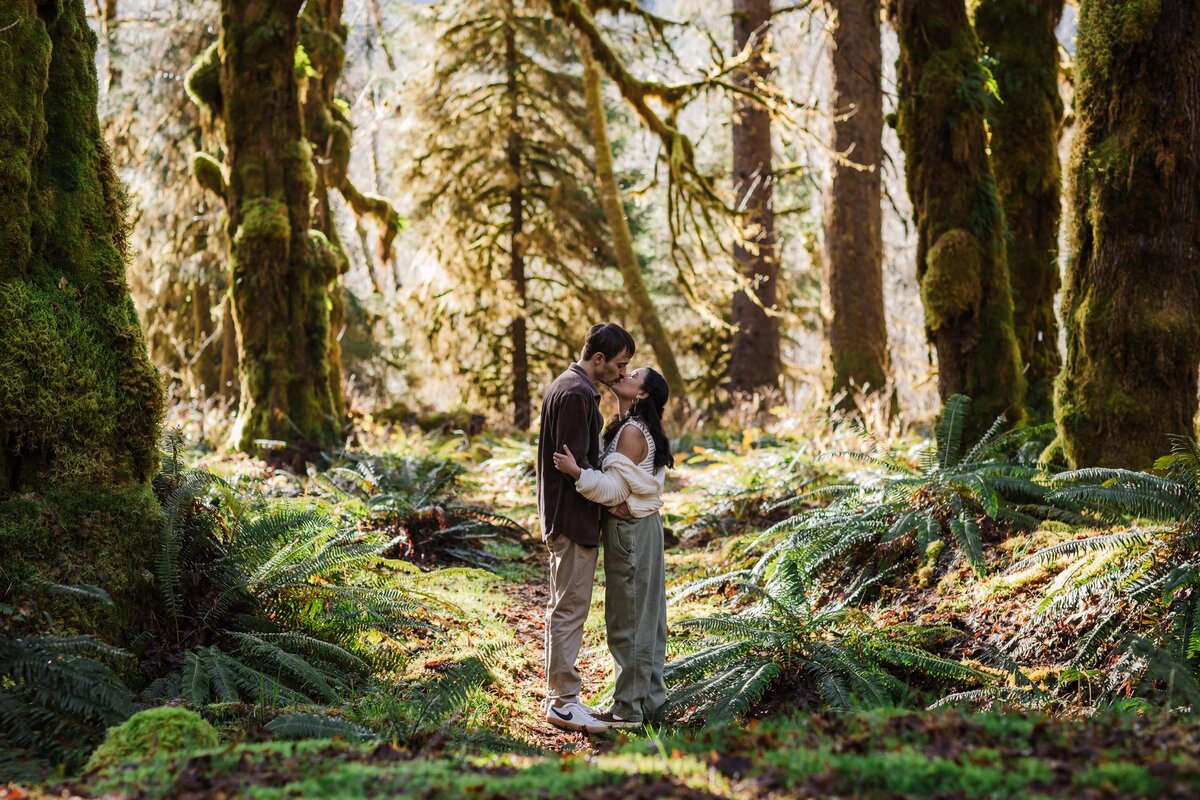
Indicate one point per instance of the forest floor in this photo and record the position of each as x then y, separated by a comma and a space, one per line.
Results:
493, 742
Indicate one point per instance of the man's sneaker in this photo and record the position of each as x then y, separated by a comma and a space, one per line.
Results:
610, 719
574, 717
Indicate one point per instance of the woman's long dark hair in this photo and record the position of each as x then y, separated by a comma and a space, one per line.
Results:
649, 410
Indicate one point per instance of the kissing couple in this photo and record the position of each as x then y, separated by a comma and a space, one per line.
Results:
596, 484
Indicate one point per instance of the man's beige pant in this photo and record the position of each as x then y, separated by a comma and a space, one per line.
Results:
572, 571
635, 614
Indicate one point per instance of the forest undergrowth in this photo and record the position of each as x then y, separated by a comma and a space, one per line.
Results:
854, 613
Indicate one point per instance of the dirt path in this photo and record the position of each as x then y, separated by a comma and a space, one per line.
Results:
525, 615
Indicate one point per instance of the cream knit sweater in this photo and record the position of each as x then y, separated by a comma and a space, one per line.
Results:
622, 481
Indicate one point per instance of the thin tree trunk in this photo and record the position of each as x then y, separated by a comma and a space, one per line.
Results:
858, 344
516, 202
960, 226
282, 272
1132, 300
614, 212
755, 359
1025, 128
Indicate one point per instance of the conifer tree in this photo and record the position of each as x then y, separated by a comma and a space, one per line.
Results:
858, 345
506, 174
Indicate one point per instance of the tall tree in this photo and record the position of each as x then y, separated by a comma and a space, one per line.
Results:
282, 271
80, 403
1020, 39
330, 131
858, 345
755, 359
1132, 301
506, 174
618, 224
961, 264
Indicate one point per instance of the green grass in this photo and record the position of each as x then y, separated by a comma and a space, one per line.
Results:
335, 770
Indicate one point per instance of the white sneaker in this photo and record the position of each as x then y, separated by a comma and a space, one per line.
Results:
574, 716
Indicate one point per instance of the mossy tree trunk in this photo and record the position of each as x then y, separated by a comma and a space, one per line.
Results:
614, 212
80, 402
282, 269
1132, 301
330, 131
1025, 127
755, 359
961, 263
858, 346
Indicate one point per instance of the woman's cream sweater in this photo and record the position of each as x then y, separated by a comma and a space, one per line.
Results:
622, 481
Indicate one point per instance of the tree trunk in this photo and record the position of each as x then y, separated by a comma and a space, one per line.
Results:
858, 345
324, 39
80, 402
1132, 300
281, 270
614, 212
1025, 127
516, 202
755, 360
961, 263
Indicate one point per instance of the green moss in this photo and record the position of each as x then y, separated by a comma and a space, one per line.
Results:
952, 285
147, 734
72, 534
264, 218
203, 80
209, 173
298, 167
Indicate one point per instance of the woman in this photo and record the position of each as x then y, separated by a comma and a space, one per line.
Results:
636, 457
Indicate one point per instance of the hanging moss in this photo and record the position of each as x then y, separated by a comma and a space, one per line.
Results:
1131, 306
961, 259
1020, 39
80, 403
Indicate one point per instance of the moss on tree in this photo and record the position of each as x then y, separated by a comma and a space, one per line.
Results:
282, 275
1020, 39
961, 262
80, 402
1131, 306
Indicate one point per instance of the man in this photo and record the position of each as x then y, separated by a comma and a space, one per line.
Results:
571, 523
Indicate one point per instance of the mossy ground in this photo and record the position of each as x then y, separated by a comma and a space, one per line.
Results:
489, 740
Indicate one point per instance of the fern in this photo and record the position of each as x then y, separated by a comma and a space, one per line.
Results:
1144, 581
317, 726
785, 630
284, 595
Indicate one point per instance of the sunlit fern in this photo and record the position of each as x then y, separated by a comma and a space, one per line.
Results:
415, 502
267, 601
786, 632
1142, 580
901, 502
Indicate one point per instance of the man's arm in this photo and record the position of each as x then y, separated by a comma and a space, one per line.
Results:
571, 427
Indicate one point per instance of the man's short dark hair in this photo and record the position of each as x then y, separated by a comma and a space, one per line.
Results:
608, 339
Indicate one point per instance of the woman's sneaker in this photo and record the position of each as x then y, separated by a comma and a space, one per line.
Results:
610, 719
574, 717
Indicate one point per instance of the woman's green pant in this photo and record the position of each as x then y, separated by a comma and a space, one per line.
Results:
635, 614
